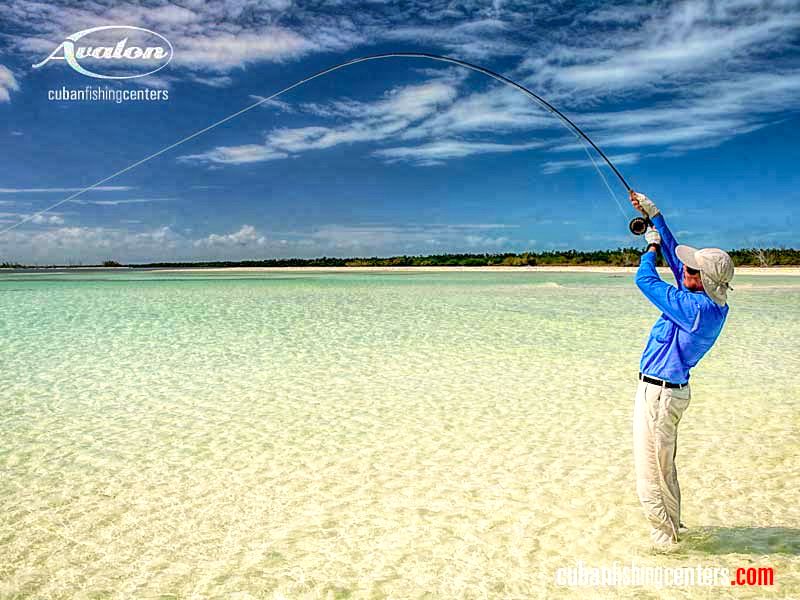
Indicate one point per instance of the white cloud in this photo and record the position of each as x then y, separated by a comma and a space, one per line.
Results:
705, 117
480, 241
8, 84
120, 202
699, 72
619, 14
218, 81
35, 219
216, 36
102, 188
279, 105
497, 110
48, 219
245, 236
556, 166
700, 69
434, 153
64, 245
171, 14
224, 51
705, 70
471, 39
234, 155
368, 122
669, 46
706, 134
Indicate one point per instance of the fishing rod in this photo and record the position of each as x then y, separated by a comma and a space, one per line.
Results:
637, 225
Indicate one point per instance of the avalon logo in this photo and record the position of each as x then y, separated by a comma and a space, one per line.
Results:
113, 52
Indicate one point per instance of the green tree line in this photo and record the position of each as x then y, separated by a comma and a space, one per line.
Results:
621, 257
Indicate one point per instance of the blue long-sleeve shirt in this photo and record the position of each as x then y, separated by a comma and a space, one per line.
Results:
690, 322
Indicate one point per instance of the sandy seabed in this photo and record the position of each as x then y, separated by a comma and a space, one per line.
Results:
458, 435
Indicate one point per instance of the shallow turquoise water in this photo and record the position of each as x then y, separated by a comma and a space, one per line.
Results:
398, 435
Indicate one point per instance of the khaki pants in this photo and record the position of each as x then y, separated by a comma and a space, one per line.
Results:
656, 414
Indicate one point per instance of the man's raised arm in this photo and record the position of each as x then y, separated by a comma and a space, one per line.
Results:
668, 244
676, 304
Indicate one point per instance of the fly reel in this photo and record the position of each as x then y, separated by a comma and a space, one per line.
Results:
639, 225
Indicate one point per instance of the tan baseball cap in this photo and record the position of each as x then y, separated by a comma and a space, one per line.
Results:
716, 270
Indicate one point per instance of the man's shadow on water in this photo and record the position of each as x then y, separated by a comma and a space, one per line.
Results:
742, 540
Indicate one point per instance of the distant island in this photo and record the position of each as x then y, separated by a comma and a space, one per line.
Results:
621, 257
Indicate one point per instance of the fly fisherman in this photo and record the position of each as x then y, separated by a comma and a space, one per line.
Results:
692, 316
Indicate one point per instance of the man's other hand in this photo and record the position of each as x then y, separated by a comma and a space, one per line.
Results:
643, 204
652, 236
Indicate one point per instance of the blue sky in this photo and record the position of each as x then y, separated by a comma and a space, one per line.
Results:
696, 102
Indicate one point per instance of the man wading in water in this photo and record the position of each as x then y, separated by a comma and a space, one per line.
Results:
693, 314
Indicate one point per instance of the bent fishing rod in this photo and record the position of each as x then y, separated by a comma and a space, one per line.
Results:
637, 225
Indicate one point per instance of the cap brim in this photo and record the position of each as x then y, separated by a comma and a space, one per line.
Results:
686, 254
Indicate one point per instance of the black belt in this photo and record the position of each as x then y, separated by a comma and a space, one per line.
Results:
666, 384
